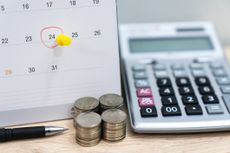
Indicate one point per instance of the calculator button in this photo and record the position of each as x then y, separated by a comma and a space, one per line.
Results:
146, 102
177, 67
191, 99
186, 90
225, 89
196, 66
180, 73
140, 75
202, 81
223, 80
159, 67
161, 74
206, 90
219, 72
226, 98
193, 110
216, 65
171, 110
148, 112
214, 109
144, 92
138, 68
210, 99
169, 100
183, 81
141, 83
164, 82
168, 91
197, 73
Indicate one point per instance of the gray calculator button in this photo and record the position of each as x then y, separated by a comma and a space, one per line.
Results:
138, 68
226, 98
225, 89
180, 73
196, 66
140, 75
161, 74
219, 72
214, 109
223, 80
216, 65
159, 67
141, 83
198, 73
177, 67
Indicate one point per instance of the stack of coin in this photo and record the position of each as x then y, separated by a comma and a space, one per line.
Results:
114, 124
109, 101
85, 104
88, 129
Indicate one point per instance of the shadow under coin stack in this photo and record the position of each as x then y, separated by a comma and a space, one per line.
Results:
114, 124
109, 101
88, 129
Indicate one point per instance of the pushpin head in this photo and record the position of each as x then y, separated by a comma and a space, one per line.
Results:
63, 40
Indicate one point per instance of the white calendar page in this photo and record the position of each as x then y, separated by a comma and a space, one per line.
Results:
39, 80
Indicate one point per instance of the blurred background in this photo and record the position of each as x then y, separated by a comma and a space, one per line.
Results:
217, 11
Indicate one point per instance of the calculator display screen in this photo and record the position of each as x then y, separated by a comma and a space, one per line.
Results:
148, 45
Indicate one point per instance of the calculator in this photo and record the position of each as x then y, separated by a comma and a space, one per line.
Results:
176, 77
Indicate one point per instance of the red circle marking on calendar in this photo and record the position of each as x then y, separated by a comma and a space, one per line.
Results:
46, 29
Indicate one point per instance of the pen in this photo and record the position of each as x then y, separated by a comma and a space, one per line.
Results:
29, 132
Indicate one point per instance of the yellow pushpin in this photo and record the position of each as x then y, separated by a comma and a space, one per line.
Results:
63, 40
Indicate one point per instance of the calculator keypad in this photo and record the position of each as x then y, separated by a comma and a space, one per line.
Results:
141, 83
161, 74
186, 90
225, 89
169, 100
206, 90
201, 81
144, 92
193, 110
171, 110
146, 102
214, 109
189, 99
164, 82
171, 103
166, 91
148, 112
183, 81
210, 99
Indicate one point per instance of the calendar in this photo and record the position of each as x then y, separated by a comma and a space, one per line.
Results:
39, 79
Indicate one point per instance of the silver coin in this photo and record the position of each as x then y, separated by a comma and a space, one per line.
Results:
86, 103
111, 101
88, 136
114, 116
88, 120
113, 139
88, 130
114, 126
115, 134
87, 143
